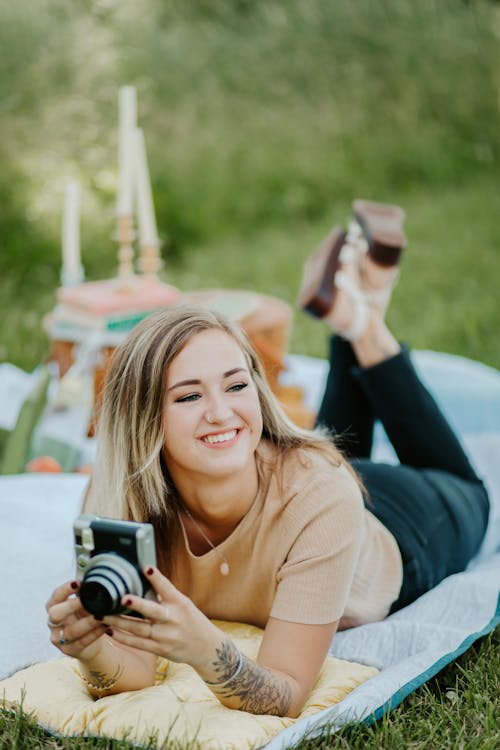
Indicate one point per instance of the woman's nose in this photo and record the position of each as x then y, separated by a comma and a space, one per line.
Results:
218, 411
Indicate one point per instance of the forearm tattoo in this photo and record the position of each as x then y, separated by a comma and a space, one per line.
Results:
258, 689
100, 682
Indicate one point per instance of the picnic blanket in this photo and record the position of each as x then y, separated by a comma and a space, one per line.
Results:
36, 514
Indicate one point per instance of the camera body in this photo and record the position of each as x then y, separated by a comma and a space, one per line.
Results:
110, 558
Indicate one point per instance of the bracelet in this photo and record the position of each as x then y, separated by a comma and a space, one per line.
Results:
104, 686
236, 672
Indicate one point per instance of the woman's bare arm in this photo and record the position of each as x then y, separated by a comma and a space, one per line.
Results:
117, 668
279, 681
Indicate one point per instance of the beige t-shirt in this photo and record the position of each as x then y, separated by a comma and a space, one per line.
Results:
307, 551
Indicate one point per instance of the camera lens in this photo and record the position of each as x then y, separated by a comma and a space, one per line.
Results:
97, 599
101, 591
107, 579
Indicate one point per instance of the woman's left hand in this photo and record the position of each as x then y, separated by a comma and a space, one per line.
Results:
173, 627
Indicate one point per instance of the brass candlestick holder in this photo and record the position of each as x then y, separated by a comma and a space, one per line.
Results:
150, 260
125, 235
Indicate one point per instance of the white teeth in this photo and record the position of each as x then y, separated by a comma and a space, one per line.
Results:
222, 438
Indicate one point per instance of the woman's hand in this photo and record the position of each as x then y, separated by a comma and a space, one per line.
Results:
173, 627
73, 630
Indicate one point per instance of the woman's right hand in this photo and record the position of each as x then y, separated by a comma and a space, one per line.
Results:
73, 630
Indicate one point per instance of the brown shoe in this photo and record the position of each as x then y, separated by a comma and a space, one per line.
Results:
317, 290
382, 227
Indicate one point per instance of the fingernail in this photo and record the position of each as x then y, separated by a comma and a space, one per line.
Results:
128, 602
150, 571
108, 631
74, 585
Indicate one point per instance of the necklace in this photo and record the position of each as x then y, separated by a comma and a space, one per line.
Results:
224, 565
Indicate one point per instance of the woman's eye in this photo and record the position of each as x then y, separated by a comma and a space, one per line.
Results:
189, 397
238, 387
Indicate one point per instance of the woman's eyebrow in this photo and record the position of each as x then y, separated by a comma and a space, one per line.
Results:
234, 371
183, 382
195, 381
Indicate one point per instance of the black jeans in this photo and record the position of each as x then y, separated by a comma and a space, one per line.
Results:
433, 502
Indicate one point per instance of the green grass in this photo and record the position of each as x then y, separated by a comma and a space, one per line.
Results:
256, 113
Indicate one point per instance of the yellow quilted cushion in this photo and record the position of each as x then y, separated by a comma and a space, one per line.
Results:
179, 706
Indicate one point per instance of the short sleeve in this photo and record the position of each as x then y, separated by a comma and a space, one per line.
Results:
325, 525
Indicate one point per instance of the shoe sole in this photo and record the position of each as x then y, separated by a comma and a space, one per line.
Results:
382, 226
317, 291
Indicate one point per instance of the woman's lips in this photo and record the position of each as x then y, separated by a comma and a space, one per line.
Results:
221, 439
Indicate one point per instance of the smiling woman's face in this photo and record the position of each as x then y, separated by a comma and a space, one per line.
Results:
212, 414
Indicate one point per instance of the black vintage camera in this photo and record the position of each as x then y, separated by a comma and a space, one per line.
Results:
110, 558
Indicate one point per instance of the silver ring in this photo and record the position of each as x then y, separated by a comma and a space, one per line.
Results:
62, 639
53, 624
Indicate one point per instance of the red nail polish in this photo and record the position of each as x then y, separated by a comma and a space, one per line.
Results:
109, 631
74, 585
150, 571
128, 602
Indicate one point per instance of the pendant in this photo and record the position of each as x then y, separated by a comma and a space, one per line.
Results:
224, 568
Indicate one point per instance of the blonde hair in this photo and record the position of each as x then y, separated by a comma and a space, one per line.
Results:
130, 479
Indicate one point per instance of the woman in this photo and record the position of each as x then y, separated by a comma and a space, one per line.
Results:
256, 520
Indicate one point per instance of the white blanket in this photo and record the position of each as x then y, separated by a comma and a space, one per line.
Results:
37, 511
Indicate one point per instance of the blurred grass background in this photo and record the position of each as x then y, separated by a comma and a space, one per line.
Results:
263, 119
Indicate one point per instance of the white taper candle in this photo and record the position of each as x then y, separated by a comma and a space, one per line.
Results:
126, 158
148, 234
71, 265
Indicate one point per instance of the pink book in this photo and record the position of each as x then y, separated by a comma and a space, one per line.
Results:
106, 297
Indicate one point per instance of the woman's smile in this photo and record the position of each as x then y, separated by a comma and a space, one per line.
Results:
221, 439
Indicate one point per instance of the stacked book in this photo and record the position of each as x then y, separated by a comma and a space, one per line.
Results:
107, 306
